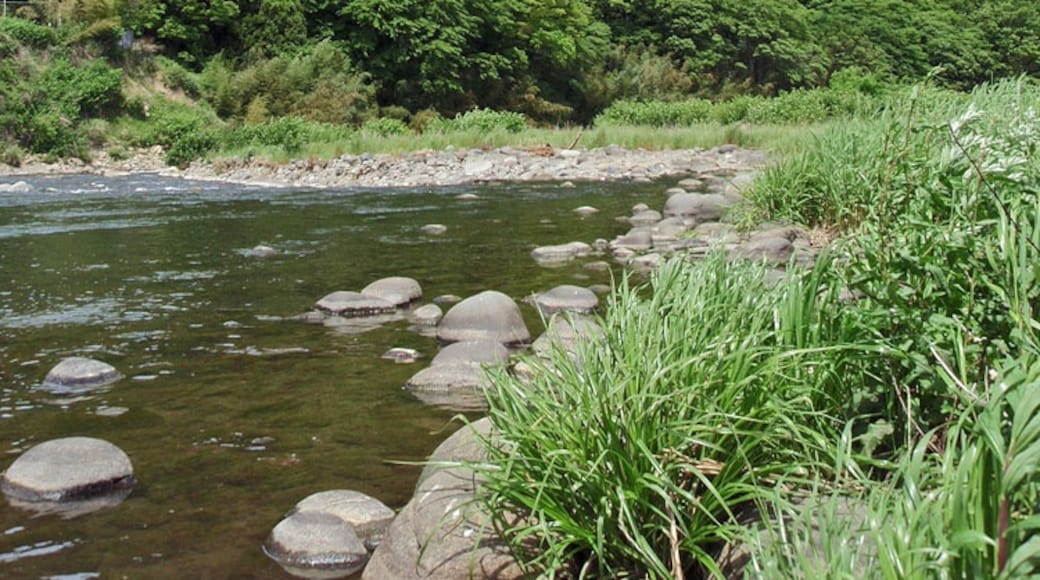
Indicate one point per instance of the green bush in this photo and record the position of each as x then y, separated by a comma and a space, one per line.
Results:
191, 145
8, 45
482, 121
28, 33
631, 457
385, 127
11, 154
656, 113
177, 77
286, 132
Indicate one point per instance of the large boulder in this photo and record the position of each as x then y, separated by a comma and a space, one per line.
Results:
78, 374
489, 315
636, 239
462, 446
564, 332
345, 303
472, 352
455, 378
773, 250
396, 290
428, 315
702, 207
561, 252
72, 475
443, 534
368, 516
567, 298
312, 544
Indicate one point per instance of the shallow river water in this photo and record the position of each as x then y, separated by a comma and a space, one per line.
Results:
154, 276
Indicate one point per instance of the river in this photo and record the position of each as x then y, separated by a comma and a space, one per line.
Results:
154, 276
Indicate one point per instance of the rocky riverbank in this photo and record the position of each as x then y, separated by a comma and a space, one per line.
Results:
426, 168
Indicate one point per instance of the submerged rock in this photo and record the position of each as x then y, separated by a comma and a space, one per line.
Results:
428, 315
368, 516
490, 315
71, 475
561, 252
703, 207
585, 210
456, 378
77, 374
434, 229
313, 544
566, 298
396, 290
402, 355
346, 303
263, 251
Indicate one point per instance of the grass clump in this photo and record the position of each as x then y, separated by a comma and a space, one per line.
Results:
635, 460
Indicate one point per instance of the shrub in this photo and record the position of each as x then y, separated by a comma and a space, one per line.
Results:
28, 33
177, 77
631, 457
286, 132
11, 154
482, 121
190, 146
655, 113
385, 127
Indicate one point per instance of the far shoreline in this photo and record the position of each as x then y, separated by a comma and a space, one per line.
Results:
427, 168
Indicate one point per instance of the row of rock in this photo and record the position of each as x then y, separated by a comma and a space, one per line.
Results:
691, 223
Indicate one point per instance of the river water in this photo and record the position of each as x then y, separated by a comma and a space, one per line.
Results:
154, 276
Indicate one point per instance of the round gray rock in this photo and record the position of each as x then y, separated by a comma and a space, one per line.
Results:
566, 298
636, 239
263, 251
434, 229
564, 332
314, 544
476, 352
396, 290
561, 252
369, 517
428, 315
490, 315
68, 469
704, 207
772, 250
456, 386
647, 217
76, 374
345, 303
585, 210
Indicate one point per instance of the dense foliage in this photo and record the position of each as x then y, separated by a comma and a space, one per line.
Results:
901, 377
564, 60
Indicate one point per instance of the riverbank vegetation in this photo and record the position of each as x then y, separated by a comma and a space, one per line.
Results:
875, 416
302, 78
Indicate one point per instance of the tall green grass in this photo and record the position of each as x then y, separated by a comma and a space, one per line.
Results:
634, 458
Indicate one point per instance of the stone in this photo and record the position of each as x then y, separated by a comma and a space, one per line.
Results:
401, 355
475, 352
434, 229
427, 315
704, 207
443, 534
585, 210
690, 184
396, 290
772, 250
16, 187
567, 185
600, 289
462, 446
564, 332
368, 516
639, 207
346, 303
674, 191
447, 299
456, 386
566, 298
635, 239
311, 317
467, 197
76, 374
597, 266
561, 252
70, 469
263, 251
647, 217
489, 315
646, 261
312, 544
714, 231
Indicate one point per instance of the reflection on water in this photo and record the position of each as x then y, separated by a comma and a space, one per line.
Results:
231, 410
